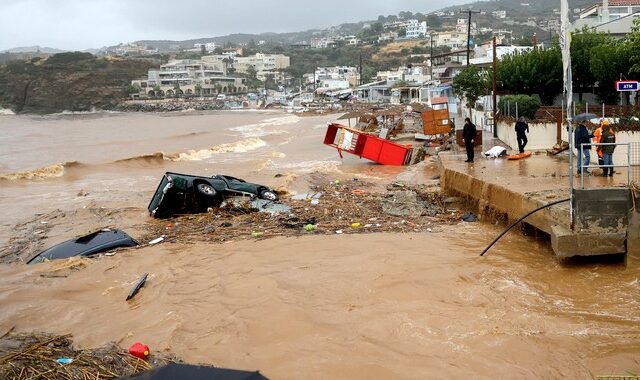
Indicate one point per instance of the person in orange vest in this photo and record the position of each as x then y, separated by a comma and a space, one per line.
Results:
597, 135
608, 137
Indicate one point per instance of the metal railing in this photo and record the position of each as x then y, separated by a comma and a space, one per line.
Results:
582, 167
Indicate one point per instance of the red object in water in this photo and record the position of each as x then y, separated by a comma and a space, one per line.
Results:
367, 146
139, 350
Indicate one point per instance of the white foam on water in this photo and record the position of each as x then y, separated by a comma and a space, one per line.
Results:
263, 128
242, 146
310, 166
6, 112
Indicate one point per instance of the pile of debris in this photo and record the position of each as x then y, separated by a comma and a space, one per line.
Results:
41, 356
336, 207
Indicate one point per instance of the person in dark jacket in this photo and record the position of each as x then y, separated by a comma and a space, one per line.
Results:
521, 128
582, 136
469, 134
608, 137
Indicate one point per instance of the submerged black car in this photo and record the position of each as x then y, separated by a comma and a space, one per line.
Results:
184, 194
91, 244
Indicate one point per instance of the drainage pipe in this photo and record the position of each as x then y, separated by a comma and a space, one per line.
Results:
520, 220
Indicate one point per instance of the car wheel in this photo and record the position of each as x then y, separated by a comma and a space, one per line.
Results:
268, 195
206, 189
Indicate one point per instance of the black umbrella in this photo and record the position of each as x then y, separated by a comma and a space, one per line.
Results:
195, 372
584, 117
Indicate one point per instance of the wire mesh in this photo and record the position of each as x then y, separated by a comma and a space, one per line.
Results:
634, 163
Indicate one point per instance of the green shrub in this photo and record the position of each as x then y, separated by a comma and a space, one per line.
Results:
527, 105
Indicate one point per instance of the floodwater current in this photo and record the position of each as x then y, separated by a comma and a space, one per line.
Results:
376, 306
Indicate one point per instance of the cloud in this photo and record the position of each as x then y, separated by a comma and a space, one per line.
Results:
83, 24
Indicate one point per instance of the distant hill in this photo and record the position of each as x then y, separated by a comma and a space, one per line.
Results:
34, 49
524, 7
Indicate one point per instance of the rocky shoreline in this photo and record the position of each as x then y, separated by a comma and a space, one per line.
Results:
169, 106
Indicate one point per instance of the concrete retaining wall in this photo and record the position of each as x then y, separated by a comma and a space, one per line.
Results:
542, 136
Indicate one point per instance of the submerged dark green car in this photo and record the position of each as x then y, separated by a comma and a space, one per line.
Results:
185, 194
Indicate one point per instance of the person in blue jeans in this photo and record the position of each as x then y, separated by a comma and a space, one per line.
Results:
582, 136
609, 137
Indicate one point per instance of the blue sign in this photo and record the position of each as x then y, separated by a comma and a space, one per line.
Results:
627, 85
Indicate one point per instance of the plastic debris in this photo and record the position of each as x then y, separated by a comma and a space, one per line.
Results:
156, 240
355, 225
315, 202
469, 217
339, 232
64, 360
257, 234
139, 350
139, 284
309, 227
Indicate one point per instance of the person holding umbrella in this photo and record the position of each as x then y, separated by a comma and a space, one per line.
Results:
582, 136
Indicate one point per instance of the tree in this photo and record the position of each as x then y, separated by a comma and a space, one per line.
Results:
198, 89
534, 72
608, 63
582, 46
402, 32
434, 21
470, 84
633, 43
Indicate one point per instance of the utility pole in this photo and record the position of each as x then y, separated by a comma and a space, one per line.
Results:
361, 78
470, 12
495, 86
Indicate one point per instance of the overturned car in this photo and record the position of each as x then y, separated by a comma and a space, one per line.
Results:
96, 242
185, 194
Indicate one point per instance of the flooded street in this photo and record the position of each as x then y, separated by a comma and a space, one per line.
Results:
374, 306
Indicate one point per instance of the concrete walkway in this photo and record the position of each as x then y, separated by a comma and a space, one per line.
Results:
509, 189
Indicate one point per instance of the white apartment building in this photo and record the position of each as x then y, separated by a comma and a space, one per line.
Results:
416, 29
499, 14
322, 43
416, 74
190, 77
261, 62
387, 36
209, 46
336, 78
453, 40
397, 24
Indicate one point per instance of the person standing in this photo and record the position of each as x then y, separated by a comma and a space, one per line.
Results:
608, 137
582, 136
521, 128
469, 134
597, 136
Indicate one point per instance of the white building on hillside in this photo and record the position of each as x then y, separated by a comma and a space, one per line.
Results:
416, 29
336, 78
261, 62
189, 77
209, 46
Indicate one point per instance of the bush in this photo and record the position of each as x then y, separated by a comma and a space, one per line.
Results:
527, 105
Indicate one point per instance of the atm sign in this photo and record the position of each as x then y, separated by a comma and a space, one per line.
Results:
627, 85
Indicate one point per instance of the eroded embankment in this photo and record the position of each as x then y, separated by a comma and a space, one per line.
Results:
498, 202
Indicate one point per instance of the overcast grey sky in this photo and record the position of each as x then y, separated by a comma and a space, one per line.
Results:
85, 24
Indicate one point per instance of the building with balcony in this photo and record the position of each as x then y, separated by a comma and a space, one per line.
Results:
610, 16
189, 77
416, 29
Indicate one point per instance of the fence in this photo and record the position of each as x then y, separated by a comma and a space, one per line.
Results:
632, 165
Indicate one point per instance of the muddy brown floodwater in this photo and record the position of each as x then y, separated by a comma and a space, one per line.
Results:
365, 306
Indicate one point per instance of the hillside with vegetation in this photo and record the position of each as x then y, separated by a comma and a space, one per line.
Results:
68, 81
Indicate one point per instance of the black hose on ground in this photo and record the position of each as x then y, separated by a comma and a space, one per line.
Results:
520, 220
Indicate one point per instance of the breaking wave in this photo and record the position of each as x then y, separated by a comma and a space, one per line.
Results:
51, 171
152, 159
263, 128
242, 146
